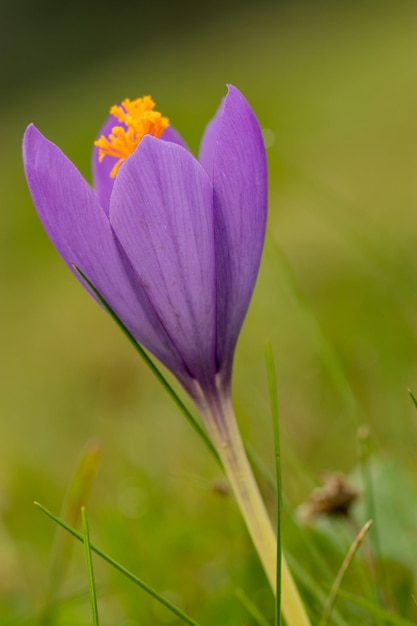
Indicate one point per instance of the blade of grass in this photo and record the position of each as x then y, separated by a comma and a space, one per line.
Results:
325, 350
137, 581
382, 591
412, 396
342, 571
270, 366
90, 570
382, 615
251, 608
260, 467
77, 494
278, 475
309, 547
154, 369
310, 584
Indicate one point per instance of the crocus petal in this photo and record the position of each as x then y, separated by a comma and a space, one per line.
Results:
233, 154
173, 136
102, 181
209, 140
81, 232
161, 212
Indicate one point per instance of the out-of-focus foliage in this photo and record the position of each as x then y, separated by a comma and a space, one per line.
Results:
42, 38
333, 87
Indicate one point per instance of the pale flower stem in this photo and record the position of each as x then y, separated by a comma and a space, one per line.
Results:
220, 421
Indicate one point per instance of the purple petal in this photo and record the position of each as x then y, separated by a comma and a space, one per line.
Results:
233, 154
161, 212
209, 140
81, 232
103, 183
173, 136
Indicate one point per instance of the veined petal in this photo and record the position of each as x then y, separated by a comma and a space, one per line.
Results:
209, 140
173, 136
161, 212
81, 232
102, 181
233, 154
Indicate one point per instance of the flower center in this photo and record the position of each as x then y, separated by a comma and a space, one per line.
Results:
138, 118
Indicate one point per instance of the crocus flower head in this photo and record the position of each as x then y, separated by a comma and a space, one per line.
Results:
171, 243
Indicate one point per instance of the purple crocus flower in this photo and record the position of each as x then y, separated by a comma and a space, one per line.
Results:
171, 243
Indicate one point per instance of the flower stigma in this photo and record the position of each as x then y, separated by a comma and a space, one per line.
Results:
138, 118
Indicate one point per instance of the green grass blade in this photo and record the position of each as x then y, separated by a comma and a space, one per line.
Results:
310, 584
412, 396
325, 350
77, 494
253, 610
82, 482
154, 369
382, 592
308, 545
270, 365
382, 615
137, 581
260, 467
90, 572
341, 573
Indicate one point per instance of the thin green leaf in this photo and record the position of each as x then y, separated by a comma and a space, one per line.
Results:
137, 581
90, 572
382, 592
383, 616
342, 571
251, 608
308, 545
260, 466
157, 373
270, 365
325, 349
77, 494
310, 584
414, 399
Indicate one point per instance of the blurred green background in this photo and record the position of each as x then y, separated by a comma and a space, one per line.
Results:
333, 85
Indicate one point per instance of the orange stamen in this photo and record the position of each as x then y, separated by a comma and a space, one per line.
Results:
139, 119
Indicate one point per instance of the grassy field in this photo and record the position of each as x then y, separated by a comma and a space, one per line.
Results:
334, 89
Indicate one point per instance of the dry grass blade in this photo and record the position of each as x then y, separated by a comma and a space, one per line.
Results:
341, 573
